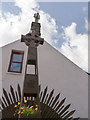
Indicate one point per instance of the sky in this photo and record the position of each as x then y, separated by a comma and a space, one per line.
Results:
63, 24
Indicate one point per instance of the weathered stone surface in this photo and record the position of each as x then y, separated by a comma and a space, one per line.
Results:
31, 85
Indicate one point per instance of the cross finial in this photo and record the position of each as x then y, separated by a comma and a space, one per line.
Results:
37, 17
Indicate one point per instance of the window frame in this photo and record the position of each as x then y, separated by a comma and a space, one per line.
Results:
11, 58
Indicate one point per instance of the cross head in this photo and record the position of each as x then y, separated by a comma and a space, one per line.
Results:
37, 17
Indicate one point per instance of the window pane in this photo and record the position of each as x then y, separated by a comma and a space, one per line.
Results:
15, 67
17, 57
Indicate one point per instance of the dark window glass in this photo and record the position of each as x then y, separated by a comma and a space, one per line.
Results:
17, 57
16, 61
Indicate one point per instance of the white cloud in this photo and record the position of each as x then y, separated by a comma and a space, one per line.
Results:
84, 9
12, 26
55, 41
0, 13
75, 46
86, 24
48, 27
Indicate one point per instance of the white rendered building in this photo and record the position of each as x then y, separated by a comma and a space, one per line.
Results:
55, 71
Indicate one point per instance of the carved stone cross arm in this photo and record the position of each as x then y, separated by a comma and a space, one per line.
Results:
28, 39
37, 17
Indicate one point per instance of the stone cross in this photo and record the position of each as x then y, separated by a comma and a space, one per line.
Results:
37, 17
31, 38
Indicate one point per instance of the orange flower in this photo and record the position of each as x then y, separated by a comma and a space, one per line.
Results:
22, 108
36, 109
31, 107
25, 101
19, 112
18, 103
36, 105
15, 106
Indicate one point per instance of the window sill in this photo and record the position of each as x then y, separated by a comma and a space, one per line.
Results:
14, 73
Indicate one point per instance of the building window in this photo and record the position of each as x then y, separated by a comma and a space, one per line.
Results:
16, 61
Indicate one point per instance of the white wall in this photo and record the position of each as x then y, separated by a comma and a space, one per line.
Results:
89, 97
0, 71
65, 77
10, 78
55, 71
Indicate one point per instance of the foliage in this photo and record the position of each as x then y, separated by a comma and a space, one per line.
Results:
25, 108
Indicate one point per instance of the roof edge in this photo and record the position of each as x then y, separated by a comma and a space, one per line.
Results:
55, 50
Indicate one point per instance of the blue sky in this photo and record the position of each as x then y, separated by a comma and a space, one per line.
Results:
10, 7
65, 13
64, 17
